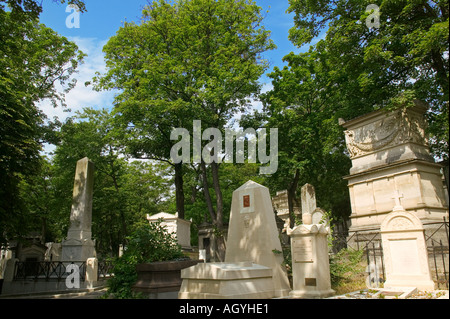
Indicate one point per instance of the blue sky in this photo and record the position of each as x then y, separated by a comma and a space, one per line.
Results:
102, 20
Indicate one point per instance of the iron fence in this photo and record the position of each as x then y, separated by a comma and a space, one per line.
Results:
46, 270
370, 242
56, 270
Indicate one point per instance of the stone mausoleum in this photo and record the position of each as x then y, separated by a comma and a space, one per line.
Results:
391, 163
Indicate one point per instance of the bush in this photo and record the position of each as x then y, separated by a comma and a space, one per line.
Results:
148, 243
347, 270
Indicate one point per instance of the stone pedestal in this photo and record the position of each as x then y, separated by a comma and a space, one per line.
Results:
91, 272
78, 250
253, 261
389, 152
310, 262
243, 280
253, 234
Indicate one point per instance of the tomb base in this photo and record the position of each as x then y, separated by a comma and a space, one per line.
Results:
78, 250
310, 262
315, 294
242, 280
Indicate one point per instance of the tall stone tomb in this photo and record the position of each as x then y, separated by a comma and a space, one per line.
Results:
253, 261
309, 251
390, 153
79, 245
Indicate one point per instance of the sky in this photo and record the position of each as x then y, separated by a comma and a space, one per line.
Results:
102, 20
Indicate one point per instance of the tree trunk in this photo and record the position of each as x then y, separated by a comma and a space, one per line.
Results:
206, 191
216, 214
291, 196
220, 238
219, 198
179, 192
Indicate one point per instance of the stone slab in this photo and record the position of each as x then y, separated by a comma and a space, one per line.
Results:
243, 280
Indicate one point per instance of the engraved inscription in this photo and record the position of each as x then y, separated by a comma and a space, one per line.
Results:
302, 250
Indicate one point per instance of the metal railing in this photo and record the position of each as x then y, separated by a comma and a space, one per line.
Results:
370, 242
57, 270
46, 270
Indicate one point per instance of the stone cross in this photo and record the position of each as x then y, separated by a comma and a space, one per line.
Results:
308, 203
398, 205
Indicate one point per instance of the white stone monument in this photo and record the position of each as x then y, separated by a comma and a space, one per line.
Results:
253, 263
181, 228
309, 250
404, 250
253, 233
243, 280
79, 245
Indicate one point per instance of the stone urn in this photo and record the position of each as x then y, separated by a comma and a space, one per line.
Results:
161, 280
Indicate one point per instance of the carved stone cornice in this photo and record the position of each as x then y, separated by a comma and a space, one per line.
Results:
383, 130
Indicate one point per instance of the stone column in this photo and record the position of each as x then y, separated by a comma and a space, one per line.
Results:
310, 263
91, 272
79, 245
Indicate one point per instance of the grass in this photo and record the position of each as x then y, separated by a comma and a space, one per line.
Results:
348, 271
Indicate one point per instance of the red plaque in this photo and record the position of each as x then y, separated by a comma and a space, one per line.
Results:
246, 200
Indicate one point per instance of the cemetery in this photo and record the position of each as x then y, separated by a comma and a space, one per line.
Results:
329, 184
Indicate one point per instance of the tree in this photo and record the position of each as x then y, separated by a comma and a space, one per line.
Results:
33, 59
31, 9
189, 60
404, 58
311, 145
124, 193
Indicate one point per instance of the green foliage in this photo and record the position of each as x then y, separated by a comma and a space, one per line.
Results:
185, 61
124, 191
148, 243
347, 268
311, 143
151, 242
405, 58
33, 61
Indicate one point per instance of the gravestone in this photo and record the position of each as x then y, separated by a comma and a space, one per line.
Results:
79, 245
309, 250
318, 216
308, 203
404, 250
253, 260
253, 233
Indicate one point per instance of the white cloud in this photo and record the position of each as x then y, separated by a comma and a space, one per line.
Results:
81, 96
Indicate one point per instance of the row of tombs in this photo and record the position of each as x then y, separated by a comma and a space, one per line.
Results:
396, 191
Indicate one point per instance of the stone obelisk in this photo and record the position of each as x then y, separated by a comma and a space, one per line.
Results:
79, 245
